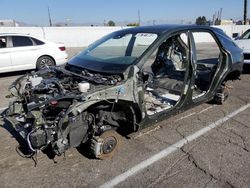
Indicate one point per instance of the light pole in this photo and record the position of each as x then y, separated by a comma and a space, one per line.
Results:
139, 17
50, 22
245, 12
68, 20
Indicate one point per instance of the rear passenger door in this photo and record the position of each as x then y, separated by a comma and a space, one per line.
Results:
5, 61
167, 75
209, 63
24, 52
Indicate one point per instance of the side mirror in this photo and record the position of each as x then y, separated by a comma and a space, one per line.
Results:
236, 36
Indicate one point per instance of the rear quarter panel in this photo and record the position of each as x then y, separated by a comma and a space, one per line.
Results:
235, 52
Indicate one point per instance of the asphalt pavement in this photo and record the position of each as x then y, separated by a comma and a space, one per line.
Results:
207, 146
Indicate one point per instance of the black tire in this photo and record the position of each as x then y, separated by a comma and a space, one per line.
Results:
44, 61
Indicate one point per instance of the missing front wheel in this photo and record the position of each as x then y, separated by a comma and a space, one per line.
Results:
106, 145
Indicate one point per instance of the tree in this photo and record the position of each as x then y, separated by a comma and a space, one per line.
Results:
111, 23
133, 24
201, 20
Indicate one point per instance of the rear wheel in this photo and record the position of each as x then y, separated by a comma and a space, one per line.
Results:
222, 94
44, 61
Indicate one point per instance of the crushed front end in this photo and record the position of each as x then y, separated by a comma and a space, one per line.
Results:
43, 110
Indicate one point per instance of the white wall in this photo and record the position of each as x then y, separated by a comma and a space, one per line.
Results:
83, 36
230, 29
70, 36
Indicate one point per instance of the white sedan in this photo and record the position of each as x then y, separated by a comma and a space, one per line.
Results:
244, 43
23, 52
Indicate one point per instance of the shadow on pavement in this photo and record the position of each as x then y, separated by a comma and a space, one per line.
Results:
246, 69
84, 150
22, 149
16, 73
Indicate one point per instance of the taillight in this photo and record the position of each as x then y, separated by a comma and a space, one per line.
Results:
53, 103
62, 48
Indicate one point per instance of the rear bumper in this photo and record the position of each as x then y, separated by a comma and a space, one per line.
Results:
61, 58
247, 58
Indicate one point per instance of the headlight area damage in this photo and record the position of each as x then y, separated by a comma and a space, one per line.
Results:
59, 109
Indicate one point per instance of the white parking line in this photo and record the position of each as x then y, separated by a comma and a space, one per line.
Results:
184, 117
167, 151
206, 109
148, 132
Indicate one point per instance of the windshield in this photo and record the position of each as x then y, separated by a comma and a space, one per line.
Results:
119, 48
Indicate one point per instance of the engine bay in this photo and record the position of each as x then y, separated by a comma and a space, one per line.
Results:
43, 103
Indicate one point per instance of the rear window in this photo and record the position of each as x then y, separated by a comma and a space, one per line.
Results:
3, 42
19, 41
37, 42
246, 35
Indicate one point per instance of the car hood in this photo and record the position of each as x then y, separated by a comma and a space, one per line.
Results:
98, 66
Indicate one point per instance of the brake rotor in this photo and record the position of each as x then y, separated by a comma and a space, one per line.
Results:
111, 142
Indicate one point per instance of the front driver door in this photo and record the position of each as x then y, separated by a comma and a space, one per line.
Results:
209, 64
24, 53
169, 69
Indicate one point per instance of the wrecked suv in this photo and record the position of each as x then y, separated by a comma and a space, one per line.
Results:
122, 83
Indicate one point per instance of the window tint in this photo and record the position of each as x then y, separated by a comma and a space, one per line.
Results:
3, 42
246, 35
21, 41
142, 42
37, 42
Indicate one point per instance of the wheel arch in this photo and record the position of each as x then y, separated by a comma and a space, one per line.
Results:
131, 110
46, 55
233, 75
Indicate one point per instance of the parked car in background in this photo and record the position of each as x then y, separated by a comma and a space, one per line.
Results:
123, 83
244, 43
23, 52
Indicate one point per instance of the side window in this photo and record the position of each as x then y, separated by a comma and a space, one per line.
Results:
246, 35
172, 55
208, 57
37, 42
19, 41
206, 46
142, 42
3, 42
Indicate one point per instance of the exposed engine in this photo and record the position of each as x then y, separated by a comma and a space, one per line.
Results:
42, 109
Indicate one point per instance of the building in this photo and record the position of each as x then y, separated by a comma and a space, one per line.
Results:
8, 23
224, 22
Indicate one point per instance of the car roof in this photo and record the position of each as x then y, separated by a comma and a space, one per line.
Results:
23, 35
165, 28
14, 34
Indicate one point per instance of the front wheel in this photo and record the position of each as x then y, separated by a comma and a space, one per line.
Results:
44, 61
